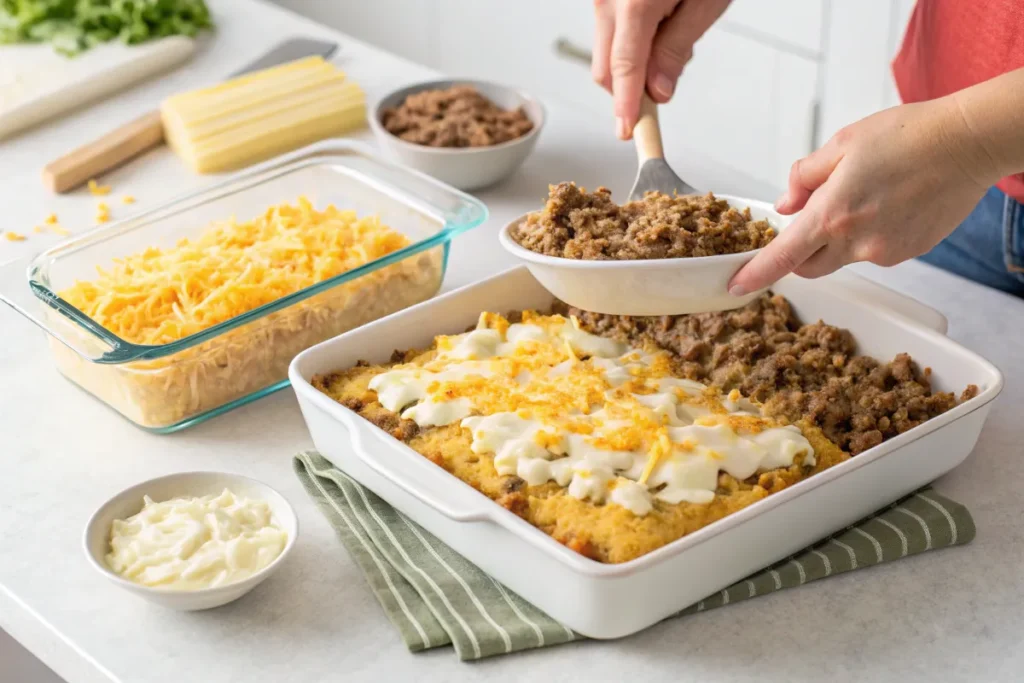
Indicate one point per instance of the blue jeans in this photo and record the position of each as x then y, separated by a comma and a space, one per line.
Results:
988, 247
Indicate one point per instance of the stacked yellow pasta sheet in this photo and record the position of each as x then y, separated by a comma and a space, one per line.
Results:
259, 115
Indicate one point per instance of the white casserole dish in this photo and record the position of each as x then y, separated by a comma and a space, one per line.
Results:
610, 601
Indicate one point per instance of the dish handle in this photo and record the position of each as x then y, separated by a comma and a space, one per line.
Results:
902, 305
17, 292
423, 480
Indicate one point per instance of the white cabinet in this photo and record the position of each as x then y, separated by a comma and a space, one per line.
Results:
862, 39
515, 43
745, 104
797, 25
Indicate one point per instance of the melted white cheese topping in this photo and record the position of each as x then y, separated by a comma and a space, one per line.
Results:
193, 543
613, 427
631, 495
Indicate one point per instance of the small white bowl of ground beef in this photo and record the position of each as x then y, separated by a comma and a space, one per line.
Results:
662, 255
467, 133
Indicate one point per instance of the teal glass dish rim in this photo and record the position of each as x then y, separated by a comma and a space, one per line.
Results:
401, 182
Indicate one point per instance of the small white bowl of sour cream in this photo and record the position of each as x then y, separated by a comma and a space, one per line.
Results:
189, 485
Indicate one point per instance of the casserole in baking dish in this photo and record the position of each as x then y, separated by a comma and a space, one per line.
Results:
610, 600
604, 447
383, 248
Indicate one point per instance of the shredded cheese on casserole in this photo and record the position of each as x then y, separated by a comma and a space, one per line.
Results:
551, 402
162, 295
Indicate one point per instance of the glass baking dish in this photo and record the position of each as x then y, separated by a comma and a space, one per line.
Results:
164, 388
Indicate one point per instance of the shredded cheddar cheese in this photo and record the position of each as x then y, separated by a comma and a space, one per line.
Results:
661, 447
97, 190
127, 199
162, 295
14, 236
50, 223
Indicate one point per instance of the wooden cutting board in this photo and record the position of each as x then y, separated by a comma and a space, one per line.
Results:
37, 84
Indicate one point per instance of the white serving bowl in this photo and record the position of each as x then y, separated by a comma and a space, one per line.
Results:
186, 484
467, 168
671, 286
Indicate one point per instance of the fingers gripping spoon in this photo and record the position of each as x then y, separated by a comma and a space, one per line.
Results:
647, 287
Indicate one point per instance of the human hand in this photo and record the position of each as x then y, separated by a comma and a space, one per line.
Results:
885, 189
642, 44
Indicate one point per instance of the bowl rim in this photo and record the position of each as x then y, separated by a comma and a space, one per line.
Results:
419, 86
516, 249
99, 564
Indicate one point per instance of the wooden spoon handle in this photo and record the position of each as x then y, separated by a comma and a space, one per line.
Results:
647, 132
109, 151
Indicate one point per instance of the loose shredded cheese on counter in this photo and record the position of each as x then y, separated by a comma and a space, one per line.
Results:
97, 190
162, 295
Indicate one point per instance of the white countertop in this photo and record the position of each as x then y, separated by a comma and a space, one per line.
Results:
948, 615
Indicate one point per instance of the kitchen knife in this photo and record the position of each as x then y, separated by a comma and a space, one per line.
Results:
147, 131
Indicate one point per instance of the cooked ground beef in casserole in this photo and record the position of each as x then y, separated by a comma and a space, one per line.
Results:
799, 371
578, 224
456, 117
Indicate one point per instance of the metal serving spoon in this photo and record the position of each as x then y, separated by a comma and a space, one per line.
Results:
654, 173
655, 286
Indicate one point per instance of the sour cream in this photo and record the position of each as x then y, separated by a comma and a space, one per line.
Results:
194, 543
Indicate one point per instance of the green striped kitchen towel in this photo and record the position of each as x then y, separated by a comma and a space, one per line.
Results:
435, 597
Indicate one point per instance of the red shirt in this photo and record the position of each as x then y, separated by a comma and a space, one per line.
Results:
954, 44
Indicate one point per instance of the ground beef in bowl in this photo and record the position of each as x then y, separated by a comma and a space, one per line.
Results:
585, 225
454, 117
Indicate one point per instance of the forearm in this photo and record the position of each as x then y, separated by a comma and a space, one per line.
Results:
992, 126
